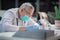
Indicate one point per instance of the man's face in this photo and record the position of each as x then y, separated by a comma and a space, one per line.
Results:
26, 11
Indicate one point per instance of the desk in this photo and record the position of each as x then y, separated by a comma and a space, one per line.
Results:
10, 34
28, 35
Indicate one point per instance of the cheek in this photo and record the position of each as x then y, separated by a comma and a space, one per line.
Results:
22, 13
31, 13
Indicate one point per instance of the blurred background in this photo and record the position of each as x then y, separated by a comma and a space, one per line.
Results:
40, 5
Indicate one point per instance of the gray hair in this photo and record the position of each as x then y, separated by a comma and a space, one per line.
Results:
25, 5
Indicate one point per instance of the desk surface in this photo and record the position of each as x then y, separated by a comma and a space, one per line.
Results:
7, 34
10, 34
16, 38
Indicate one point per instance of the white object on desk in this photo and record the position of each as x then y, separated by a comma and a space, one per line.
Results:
56, 31
7, 34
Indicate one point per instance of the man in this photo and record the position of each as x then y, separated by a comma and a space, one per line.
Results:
13, 18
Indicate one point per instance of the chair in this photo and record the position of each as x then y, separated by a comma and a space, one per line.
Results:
1, 27
0, 17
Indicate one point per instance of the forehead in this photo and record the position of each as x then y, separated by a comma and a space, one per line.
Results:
28, 9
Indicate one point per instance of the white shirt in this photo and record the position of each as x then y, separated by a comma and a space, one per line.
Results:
9, 20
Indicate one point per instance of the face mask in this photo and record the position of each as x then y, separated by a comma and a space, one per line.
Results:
24, 18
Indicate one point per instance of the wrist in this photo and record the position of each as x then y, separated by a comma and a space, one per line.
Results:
22, 28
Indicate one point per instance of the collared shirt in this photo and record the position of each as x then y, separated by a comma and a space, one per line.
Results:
9, 20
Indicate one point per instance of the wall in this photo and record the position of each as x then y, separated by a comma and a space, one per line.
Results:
0, 4
2, 12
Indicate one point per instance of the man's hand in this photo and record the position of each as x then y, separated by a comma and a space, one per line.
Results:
22, 28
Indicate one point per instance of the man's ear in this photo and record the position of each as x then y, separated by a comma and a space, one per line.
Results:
21, 10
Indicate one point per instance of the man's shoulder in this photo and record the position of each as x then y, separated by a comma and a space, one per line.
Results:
13, 9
